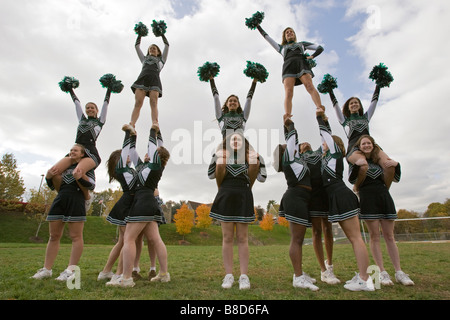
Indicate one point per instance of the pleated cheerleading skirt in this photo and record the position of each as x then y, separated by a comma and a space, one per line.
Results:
343, 203
145, 207
376, 203
233, 202
121, 209
68, 206
295, 67
294, 206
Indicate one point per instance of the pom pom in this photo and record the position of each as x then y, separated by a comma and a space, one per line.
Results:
256, 71
141, 29
255, 20
207, 71
68, 83
159, 28
109, 81
381, 76
327, 85
312, 63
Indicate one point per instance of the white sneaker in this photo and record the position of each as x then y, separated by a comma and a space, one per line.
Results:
126, 283
310, 279
105, 275
385, 279
403, 278
303, 282
244, 282
328, 277
358, 284
114, 280
87, 203
161, 277
66, 275
42, 274
227, 282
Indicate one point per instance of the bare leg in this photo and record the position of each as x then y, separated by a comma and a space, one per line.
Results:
359, 159
242, 240
56, 231
227, 245
154, 95
76, 234
388, 166
329, 241
306, 79
139, 96
387, 226
317, 241
295, 248
153, 236
115, 252
288, 95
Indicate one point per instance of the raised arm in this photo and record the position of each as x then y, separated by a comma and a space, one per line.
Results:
215, 92
272, 42
325, 132
104, 111
165, 53
78, 108
248, 102
312, 46
373, 103
291, 137
337, 108
139, 52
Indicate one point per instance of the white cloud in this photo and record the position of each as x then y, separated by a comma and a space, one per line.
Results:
47, 40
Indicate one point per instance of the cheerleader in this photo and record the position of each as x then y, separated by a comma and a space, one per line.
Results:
356, 123
378, 209
88, 130
69, 207
148, 82
296, 67
294, 204
230, 118
145, 212
343, 203
233, 205
318, 212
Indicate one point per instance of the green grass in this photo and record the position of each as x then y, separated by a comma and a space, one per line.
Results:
197, 270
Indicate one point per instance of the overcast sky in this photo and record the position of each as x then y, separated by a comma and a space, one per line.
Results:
43, 41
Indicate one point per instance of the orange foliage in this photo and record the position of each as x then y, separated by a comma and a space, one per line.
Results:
203, 219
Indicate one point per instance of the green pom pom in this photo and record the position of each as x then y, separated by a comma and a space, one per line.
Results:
141, 29
312, 63
255, 20
256, 71
109, 81
381, 76
327, 85
207, 71
68, 83
159, 28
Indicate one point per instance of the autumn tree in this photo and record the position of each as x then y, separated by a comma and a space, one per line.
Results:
267, 222
11, 183
203, 220
184, 220
283, 222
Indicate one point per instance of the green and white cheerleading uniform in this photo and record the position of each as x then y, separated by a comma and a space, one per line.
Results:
294, 203
343, 203
294, 54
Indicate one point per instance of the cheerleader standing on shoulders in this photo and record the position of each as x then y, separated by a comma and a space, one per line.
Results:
296, 69
148, 82
145, 212
68, 206
233, 205
294, 204
88, 130
378, 209
318, 212
343, 203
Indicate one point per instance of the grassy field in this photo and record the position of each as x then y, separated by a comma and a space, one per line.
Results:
196, 269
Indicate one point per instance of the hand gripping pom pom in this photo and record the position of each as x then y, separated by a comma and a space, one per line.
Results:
109, 81
159, 28
381, 76
312, 63
141, 29
327, 85
68, 83
207, 71
256, 71
255, 20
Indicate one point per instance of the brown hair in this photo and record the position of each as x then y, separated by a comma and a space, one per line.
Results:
346, 110
225, 108
278, 157
374, 155
283, 36
154, 45
339, 143
112, 163
164, 155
